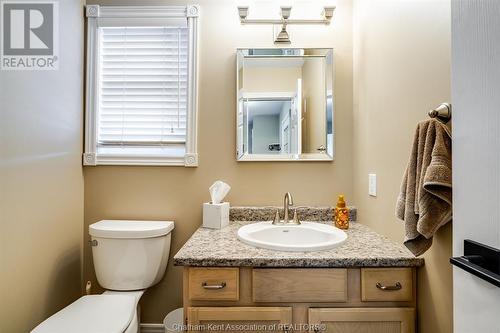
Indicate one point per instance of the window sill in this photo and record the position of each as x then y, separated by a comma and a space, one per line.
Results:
187, 160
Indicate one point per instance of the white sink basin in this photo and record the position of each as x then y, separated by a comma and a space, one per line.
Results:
308, 236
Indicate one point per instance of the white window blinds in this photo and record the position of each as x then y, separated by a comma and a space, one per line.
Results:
142, 86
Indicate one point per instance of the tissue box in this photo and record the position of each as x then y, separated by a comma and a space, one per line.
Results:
215, 216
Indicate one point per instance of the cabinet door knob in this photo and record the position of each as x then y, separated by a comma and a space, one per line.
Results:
213, 286
396, 286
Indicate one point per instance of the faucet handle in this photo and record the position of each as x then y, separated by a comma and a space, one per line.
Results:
295, 218
277, 219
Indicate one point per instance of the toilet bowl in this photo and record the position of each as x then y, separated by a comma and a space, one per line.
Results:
129, 257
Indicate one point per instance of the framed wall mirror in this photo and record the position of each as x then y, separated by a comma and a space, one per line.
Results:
285, 105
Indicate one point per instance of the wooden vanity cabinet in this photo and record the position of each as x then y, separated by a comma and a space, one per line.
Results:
347, 300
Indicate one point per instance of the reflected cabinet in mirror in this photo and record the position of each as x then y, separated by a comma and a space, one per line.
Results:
284, 105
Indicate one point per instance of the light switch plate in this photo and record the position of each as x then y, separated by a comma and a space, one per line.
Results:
372, 184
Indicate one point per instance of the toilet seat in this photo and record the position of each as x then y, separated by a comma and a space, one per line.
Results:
106, 313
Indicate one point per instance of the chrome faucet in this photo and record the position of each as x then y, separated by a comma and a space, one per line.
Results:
287, 202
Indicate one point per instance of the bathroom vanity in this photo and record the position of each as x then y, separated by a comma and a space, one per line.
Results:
368, 284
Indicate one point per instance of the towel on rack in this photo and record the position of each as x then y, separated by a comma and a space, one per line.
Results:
424, 202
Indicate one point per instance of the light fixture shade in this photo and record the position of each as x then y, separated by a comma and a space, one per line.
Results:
328, 12
285, 12
243, 12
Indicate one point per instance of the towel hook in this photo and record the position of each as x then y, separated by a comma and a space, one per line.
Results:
442, 112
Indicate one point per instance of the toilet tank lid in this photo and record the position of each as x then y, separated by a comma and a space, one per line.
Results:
130, 229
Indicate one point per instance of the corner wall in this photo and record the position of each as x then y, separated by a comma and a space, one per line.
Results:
401, 70
41, 183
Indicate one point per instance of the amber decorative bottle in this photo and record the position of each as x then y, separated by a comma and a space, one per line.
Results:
341, 215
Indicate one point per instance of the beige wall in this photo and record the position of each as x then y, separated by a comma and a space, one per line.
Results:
177, 193
401, 69
41, 183
265, 79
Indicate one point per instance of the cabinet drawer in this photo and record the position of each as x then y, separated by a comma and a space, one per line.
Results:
299, 285
213, 284
386, 284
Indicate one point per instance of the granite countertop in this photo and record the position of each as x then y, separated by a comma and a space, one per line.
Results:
363, 248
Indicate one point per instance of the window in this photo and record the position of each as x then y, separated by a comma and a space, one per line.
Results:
141, 86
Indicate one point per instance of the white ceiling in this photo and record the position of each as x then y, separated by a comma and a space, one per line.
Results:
283, 62
267, 108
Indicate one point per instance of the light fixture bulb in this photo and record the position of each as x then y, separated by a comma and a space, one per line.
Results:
285, 12
328, 12
243, 12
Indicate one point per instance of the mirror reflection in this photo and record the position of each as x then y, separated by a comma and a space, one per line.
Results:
285, 104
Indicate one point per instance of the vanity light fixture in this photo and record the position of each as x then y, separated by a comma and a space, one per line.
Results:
282, 37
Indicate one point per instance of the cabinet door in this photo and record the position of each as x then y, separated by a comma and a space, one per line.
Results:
239, 319
362, 320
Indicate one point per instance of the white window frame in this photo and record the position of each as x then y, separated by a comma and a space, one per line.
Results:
95, 13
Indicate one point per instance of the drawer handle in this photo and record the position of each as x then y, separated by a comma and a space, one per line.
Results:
397, 286
213, 286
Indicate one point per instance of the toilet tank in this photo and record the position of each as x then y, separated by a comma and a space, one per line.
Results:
130, 255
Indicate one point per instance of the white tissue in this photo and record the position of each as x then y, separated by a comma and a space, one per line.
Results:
218, 191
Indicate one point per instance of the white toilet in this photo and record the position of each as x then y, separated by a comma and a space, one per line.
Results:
129, 257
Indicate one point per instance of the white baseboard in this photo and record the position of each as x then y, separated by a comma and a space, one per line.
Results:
152, 328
